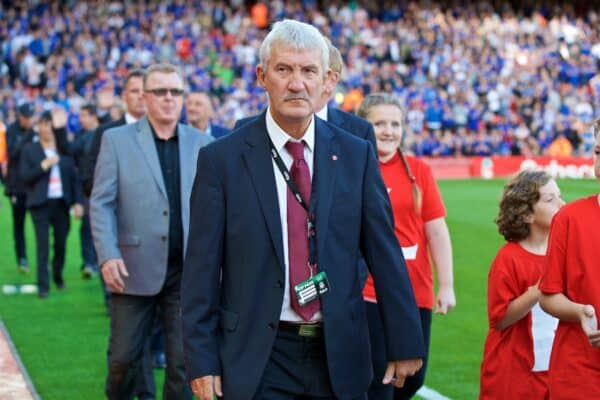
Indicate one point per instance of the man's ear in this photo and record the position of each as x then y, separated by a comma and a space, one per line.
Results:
260, 76
329, 81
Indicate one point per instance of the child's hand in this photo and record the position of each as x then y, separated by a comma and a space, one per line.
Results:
589, 324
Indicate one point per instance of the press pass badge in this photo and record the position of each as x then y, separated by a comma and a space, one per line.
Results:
312, 288
306, 291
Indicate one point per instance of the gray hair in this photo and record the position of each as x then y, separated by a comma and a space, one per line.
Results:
164, 68
377, 99
297, 35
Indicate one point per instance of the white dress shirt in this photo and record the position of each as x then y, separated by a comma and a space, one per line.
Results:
279, 139
322, 113
130, 119
55, 187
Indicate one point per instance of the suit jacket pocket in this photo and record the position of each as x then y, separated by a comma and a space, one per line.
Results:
129, 240
229, 320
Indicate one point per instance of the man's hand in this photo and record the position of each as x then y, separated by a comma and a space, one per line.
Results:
49, 162
445, 300
112, 271
206, 387
106, 99
59, 117
589, 324
77, 210
397, 371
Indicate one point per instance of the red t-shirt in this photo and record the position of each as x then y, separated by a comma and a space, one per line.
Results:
410, 227
508, 354
572, 268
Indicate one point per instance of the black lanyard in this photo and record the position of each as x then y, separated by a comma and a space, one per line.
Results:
310, 208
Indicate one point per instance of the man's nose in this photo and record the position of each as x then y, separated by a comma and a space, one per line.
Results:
296, 82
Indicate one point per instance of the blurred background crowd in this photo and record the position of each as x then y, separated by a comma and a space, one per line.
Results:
476, 79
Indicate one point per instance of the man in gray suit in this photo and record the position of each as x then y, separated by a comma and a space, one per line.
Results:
140, 217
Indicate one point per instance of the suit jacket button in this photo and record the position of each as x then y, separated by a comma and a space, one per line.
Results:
165, 213
163, 238
272, 326
280, 283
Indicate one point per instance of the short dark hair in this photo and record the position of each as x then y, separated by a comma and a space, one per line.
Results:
519, 196
134, 73
46, 116
90, 108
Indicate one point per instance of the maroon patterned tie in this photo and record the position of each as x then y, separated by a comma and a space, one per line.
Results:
297, 220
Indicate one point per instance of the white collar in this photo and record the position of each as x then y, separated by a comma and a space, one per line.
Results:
279, 137
130, 119
322, 113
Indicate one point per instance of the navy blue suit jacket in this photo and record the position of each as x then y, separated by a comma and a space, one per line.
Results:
232, 285
36, 180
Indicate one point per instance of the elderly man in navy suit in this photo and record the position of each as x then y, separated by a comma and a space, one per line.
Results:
280, 208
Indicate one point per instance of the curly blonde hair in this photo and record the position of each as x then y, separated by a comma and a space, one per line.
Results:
519, 196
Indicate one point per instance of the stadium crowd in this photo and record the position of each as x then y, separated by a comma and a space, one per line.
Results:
475, 80
470, 80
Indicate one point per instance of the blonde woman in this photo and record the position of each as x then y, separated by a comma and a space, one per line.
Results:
420, 226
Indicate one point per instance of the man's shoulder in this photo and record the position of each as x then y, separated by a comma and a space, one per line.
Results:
243, 121
109, 125
236, 140
194, 135
354, 119
13, 129
120, 130
218, 131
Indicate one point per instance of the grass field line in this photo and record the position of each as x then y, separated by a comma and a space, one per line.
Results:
430, 394
14, 380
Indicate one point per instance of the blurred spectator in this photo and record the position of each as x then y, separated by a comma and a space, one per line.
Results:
81, 150
560, 147
52, 187
18, 135
458, 65
199, 111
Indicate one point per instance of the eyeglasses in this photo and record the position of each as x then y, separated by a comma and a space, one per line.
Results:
162, 92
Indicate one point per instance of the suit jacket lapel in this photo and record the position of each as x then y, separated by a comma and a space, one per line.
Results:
258, 161
146, 141
324, 177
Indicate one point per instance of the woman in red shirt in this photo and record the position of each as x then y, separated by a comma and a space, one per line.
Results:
570, 289
519, 341
421, 229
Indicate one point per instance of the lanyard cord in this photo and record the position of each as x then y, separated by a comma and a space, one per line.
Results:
310, 208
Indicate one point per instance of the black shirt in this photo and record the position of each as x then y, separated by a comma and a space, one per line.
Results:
168, 155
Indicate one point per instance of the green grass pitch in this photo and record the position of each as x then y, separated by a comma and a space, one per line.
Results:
62, 341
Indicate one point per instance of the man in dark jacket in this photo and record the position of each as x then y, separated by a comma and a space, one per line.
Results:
81, 149
18, 135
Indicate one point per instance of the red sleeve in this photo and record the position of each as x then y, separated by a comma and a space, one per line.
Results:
553, 276
502, 286
433, 205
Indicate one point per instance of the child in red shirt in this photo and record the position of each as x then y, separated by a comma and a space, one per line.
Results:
420, 226
570, 289
518, 344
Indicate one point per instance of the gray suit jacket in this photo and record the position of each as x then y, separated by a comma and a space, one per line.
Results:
129, 204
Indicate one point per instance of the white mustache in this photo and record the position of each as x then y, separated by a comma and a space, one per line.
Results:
295, 97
